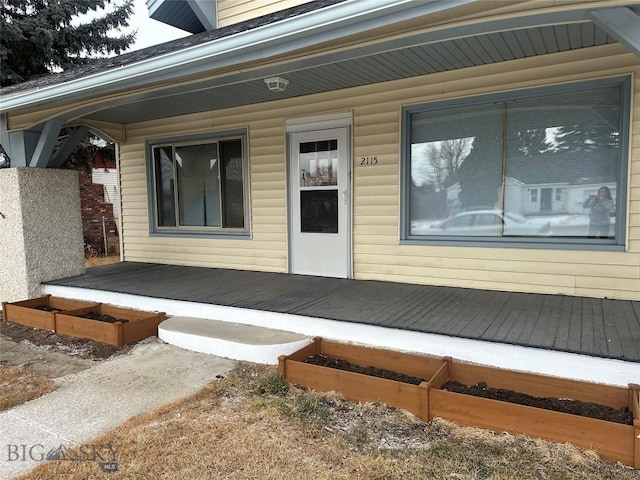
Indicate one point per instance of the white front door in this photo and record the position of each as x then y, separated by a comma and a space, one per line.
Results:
319, 202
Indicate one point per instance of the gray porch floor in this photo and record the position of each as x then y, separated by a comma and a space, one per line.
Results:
598, 327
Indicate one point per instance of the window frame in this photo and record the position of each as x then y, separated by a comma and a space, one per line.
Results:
197, 231
577, 243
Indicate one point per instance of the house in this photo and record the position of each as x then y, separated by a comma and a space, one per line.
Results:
312, 173
99, 206
308, 137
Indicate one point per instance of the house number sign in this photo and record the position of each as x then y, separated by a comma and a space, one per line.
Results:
368, 161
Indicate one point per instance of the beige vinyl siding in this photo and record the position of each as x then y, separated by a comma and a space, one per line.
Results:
236, 11
230, 12
377, 253
266, 250
107, 130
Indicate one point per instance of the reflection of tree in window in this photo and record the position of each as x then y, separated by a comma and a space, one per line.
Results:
163, 159
456, 160
434, 169
480, 175
535, 155
232, 185
561, 142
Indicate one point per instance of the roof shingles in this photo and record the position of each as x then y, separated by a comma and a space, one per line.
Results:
105, 64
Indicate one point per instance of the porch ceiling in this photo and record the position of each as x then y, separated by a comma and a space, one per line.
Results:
409, 57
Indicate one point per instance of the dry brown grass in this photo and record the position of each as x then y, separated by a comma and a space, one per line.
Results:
98, 261
251, 425
18, 386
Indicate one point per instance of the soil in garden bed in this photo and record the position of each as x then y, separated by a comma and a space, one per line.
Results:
564, 405
79, 347
45, 308
102, 318
371, 371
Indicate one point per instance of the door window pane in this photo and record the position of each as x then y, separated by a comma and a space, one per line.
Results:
319, 163
319, 211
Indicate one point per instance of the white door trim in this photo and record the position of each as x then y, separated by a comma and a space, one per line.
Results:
311, 125
318, 122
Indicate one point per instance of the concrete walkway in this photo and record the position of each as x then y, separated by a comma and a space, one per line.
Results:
99, 398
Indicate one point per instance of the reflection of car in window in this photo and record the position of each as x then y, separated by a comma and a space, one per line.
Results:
486, 223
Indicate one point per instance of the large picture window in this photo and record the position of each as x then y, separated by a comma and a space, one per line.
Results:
199, 185
541, 166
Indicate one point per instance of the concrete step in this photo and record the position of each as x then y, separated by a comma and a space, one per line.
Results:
230, 340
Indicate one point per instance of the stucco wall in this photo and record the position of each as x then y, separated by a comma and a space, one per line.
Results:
40, 230
13, 278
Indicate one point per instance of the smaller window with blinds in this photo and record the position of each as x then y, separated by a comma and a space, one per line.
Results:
199, 186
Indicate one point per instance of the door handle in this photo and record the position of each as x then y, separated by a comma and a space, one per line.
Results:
344, 196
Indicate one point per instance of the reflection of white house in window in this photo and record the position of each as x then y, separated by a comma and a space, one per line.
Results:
532, 155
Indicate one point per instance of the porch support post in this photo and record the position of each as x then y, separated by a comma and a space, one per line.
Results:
46, 142
621, 23
4, 134
33, 147
21, 146
40, 229
69, 146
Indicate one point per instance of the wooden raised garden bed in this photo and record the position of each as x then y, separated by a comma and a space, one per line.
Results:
434, 396
358, 386
108, 324
613, 441
40, 312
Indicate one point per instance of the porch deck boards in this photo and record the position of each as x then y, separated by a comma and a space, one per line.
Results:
598, 327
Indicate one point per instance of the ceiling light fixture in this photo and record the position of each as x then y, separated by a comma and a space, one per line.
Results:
276, 84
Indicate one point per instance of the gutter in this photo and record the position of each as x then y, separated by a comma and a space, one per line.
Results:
329, 23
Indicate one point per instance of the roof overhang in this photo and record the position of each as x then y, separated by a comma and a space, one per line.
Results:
313, 28
323, 50
191, 15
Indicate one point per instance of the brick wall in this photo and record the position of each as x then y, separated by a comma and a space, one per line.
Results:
94, 207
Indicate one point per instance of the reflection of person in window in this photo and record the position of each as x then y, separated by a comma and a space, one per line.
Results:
601, 206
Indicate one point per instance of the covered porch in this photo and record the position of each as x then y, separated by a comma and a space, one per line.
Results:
575, 337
